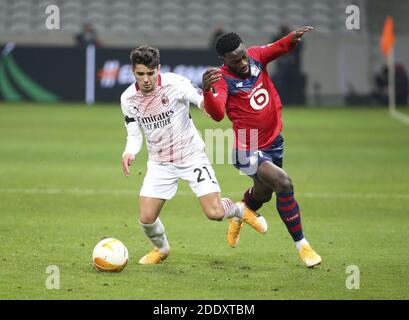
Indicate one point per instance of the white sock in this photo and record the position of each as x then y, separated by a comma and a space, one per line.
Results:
231, 210
156, 233
300, 243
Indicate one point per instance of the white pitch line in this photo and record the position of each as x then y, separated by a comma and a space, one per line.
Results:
79, 191
402, 117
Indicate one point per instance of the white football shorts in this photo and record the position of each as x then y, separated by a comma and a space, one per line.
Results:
161, 180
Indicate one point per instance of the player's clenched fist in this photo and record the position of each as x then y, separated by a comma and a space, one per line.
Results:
127, 161
211, 76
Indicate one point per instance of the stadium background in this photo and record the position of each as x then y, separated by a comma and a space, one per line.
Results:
336, 61
61, 136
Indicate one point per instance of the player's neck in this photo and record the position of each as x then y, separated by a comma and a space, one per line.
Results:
235, 75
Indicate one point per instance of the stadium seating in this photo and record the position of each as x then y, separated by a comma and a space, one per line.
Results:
177, 17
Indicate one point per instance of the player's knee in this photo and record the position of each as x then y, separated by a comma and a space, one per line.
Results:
146, 218
262, 197
284, 185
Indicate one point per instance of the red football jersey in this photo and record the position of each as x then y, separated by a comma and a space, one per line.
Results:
252, 104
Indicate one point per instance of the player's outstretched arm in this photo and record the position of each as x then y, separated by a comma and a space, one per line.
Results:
297, 34
276, 49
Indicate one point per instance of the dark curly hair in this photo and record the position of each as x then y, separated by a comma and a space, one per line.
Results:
227, 42
145, 55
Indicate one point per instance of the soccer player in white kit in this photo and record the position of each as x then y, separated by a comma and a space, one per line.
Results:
158, 105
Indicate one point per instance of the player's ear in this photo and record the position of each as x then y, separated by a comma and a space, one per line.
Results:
158, 68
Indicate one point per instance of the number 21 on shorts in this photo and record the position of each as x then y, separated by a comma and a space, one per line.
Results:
201, 175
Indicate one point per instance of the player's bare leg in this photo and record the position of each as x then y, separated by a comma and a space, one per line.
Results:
149, 209
278, 180
253, 198
217, 208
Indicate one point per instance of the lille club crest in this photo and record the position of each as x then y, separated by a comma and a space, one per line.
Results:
165, 100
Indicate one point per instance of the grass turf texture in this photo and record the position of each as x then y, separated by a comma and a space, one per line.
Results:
62, 190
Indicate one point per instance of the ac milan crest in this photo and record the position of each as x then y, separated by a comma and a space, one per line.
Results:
165, 100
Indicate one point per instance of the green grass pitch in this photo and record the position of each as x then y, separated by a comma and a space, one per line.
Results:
62, 190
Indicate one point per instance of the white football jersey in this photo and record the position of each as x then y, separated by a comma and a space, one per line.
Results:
163, 116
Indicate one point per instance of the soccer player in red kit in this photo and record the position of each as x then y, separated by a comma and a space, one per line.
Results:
242, 88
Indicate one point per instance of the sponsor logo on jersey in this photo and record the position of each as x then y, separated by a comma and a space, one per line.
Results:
259, 97
155, 121
155, 117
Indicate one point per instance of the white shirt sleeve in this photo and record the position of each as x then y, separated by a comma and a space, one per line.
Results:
134, 138
191, 93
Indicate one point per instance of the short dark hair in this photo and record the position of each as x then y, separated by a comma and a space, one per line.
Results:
145, 55
227, 42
